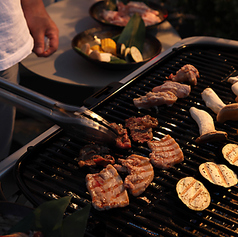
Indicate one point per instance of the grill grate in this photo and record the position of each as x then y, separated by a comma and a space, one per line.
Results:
50, 170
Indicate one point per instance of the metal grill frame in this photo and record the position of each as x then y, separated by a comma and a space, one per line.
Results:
160, 213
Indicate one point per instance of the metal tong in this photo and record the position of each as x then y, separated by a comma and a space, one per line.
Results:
79, 122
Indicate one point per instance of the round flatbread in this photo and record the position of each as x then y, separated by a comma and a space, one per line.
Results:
218, 174
193, 194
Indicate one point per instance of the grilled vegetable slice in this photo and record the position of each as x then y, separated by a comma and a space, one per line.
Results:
136, 54
127, 55
218, 174
230, 153
121, 48
193, 194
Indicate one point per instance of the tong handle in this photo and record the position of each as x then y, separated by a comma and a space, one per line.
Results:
74, 119
36, 97
48, 102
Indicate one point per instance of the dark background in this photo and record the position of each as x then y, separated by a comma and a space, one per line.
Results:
218, 18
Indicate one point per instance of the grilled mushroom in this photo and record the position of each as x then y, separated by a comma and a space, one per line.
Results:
229, 112
234, 86
224, 112
212, 100
207, 130
234, 89
232, 80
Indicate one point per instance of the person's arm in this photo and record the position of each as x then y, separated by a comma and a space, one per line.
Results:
40, 25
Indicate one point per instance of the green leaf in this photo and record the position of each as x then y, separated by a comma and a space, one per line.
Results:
134, 33
79, 50
46, 218
75, 224
116, 60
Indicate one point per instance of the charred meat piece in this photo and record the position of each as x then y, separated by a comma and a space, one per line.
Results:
93, 154
180, 90
165, 94
165, 153
141, 173
187, 73
141, 128
152, 99
103, 160
106, 189
122, 141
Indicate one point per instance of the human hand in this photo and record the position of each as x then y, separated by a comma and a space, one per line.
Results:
41, 27
46, 38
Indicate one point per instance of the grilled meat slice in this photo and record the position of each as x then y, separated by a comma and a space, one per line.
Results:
106, 189
180, 90
122, 141
93, 154
141, 173
141, 128
187, 73
101, 160
152, 99
165, 153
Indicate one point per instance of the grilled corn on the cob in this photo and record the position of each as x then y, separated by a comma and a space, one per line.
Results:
109, 45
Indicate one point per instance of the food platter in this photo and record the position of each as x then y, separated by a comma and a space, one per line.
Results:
97, 8
152, 46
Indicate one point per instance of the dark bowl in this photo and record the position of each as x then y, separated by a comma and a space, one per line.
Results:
152, 46
96, 9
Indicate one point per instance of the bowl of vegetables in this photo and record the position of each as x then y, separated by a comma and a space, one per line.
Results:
117, 49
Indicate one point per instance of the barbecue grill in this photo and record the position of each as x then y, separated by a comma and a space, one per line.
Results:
49, 169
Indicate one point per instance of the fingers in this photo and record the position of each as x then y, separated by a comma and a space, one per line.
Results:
46, 44
51, 46
47, 47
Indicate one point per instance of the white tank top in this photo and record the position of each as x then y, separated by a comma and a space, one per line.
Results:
16, 42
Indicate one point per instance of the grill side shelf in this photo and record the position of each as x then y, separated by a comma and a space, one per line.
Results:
102, 94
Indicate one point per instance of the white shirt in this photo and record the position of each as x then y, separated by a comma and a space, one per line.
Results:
16, 42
